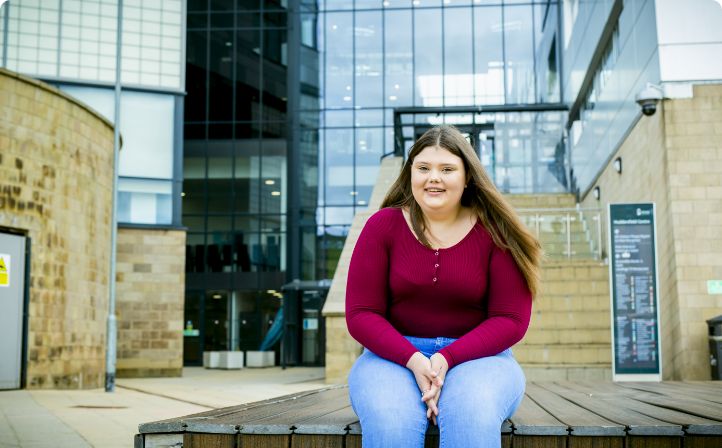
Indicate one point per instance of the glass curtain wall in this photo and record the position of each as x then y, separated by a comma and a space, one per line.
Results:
380, 55
235, 155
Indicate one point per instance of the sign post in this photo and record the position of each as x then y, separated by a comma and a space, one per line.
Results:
636, 346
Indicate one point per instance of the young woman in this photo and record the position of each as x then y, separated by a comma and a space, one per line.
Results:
440, 287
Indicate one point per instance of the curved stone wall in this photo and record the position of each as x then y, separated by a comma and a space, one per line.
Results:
56, 158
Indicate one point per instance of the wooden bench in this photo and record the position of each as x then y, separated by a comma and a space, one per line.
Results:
561, 414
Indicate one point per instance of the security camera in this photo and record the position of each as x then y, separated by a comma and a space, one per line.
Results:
648, 99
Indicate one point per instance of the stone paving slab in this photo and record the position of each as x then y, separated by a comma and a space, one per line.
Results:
25, 423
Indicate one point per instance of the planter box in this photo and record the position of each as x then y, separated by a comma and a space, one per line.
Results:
230, 360
256, 358
211, 359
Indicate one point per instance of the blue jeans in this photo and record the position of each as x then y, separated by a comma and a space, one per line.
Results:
476, 398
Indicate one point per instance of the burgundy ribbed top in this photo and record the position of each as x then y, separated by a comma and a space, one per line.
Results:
396, 286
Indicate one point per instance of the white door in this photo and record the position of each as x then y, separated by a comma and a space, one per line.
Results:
12, 288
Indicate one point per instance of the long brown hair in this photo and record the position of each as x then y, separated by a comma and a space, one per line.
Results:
496, 214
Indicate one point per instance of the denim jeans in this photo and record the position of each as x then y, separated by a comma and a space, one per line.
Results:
476, 398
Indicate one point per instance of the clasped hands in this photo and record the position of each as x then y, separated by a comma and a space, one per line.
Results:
429, 374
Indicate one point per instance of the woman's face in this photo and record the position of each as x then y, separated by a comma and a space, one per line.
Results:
437, 180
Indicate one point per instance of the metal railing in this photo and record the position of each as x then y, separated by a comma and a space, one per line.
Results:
571, 233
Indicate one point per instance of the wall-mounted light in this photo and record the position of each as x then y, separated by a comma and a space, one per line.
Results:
597, 193
618, 165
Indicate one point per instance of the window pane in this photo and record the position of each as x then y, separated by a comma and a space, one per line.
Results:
221, 76
339, 166
247, 74
369, 60
427, 55
488, 56
274, 189
246, 183
146, 123
398, 58
144, 201
518, 32
339, 60
369, 147
458, 60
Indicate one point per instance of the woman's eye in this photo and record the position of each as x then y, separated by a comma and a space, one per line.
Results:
448, 170
423, 168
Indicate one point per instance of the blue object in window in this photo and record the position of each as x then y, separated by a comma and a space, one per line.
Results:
274, 333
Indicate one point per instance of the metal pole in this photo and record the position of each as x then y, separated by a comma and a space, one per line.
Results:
569, 235
294, 162
112, 332
599, 234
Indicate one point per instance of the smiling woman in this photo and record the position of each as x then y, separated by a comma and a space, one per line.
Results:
443, 309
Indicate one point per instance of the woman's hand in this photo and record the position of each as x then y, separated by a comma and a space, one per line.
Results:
420, 366
439, 367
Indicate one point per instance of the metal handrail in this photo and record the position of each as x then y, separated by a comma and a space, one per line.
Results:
567, 216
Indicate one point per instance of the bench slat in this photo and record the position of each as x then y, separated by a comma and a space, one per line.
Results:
638, 424
280, 422
674, 390
531, 419
336, 422
624, 397
581, 421
179, 424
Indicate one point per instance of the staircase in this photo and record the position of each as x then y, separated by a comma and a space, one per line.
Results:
569, 336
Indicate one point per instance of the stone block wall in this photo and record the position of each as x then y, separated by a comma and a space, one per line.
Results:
56, 160
150, 271
674, 158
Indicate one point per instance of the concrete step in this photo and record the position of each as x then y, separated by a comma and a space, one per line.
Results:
599, 302
544, 336
541, 200
549, 237
559, 354
558, 228
567, 372
575, 271
574, 288
562, 320
578, 249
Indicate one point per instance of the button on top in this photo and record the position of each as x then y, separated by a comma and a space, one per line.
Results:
436, 253
436, 265
434, 278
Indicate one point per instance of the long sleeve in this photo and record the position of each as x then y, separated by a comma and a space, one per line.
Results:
508, 313
367, 293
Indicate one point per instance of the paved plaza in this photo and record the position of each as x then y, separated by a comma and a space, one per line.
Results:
94, 418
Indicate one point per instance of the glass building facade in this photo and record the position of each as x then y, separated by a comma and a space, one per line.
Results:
292, 104
235, 188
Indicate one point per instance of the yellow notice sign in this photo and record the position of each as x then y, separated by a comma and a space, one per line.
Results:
4, 270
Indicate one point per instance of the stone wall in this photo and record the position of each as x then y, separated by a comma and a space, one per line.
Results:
150, 272
674, 158
56, 160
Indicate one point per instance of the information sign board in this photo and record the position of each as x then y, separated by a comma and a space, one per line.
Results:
636, 347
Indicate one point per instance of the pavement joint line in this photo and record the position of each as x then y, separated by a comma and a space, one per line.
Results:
204, 405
